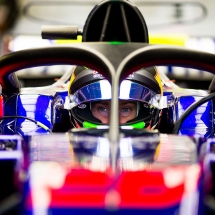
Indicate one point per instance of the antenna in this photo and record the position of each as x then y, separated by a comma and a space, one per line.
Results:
60, 32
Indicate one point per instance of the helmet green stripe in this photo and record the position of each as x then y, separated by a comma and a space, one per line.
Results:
139, 125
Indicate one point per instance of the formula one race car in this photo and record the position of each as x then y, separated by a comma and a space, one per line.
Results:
48, 166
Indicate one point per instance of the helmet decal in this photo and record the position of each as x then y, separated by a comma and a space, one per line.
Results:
158, 79
71, 80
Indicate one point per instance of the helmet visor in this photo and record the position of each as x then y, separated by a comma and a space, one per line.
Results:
101, 90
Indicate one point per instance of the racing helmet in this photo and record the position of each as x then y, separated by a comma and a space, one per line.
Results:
88, 86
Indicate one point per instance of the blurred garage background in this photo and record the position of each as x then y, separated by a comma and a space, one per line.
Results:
182, 23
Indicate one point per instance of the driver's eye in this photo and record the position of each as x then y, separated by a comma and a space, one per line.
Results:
125, 111
103, 111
